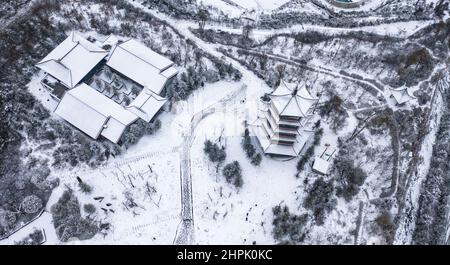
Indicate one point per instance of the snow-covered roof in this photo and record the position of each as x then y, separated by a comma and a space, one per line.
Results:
111, 40
72, 60
146, 104
321, 165
144, 66
94, 113
402, 95
291, 100
270, 147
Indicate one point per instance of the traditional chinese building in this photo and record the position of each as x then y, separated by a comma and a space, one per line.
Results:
280, 126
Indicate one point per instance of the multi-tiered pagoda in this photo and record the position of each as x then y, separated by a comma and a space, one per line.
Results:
283, 115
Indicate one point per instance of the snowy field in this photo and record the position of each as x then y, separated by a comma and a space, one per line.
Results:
148, 173
224, 215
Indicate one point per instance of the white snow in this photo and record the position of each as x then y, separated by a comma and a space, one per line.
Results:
141, 64
146, 54
146, 105
42, 94
94, 113
222, 213
321, 165
260, 4
236, 8
72, 59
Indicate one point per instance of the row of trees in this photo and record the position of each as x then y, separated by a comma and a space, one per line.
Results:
137, 130
250, 150
309, 153
432, 217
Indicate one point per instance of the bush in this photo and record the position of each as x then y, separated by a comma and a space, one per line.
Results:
215, 153
31, 204
320, 199
89, 208
233, 174
350, 177
256, 160
333, 108
68, 221
287, 227
84, 187
137, 130
7, 219
247, 144
250, 150
38, 176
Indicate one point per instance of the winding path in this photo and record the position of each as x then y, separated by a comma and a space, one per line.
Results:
378, 89
185, 231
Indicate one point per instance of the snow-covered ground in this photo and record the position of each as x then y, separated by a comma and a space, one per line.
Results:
261, 4
42, 94
43, 223
224, 215
148, 173
234, 6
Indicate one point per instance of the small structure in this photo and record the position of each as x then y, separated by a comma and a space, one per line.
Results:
402, 95
321, 165
280, 127
108, 108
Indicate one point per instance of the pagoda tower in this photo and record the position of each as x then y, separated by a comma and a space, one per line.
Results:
283, 115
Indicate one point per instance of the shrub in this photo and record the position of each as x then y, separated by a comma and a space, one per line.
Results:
137, 130
350, 177
320, 199
287, 227
7, 219
256, 160
31, 204
215, 153
247, 144
68, 221
38, 176
84, 187
333, 108
233, 174
89, 208
250, 150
